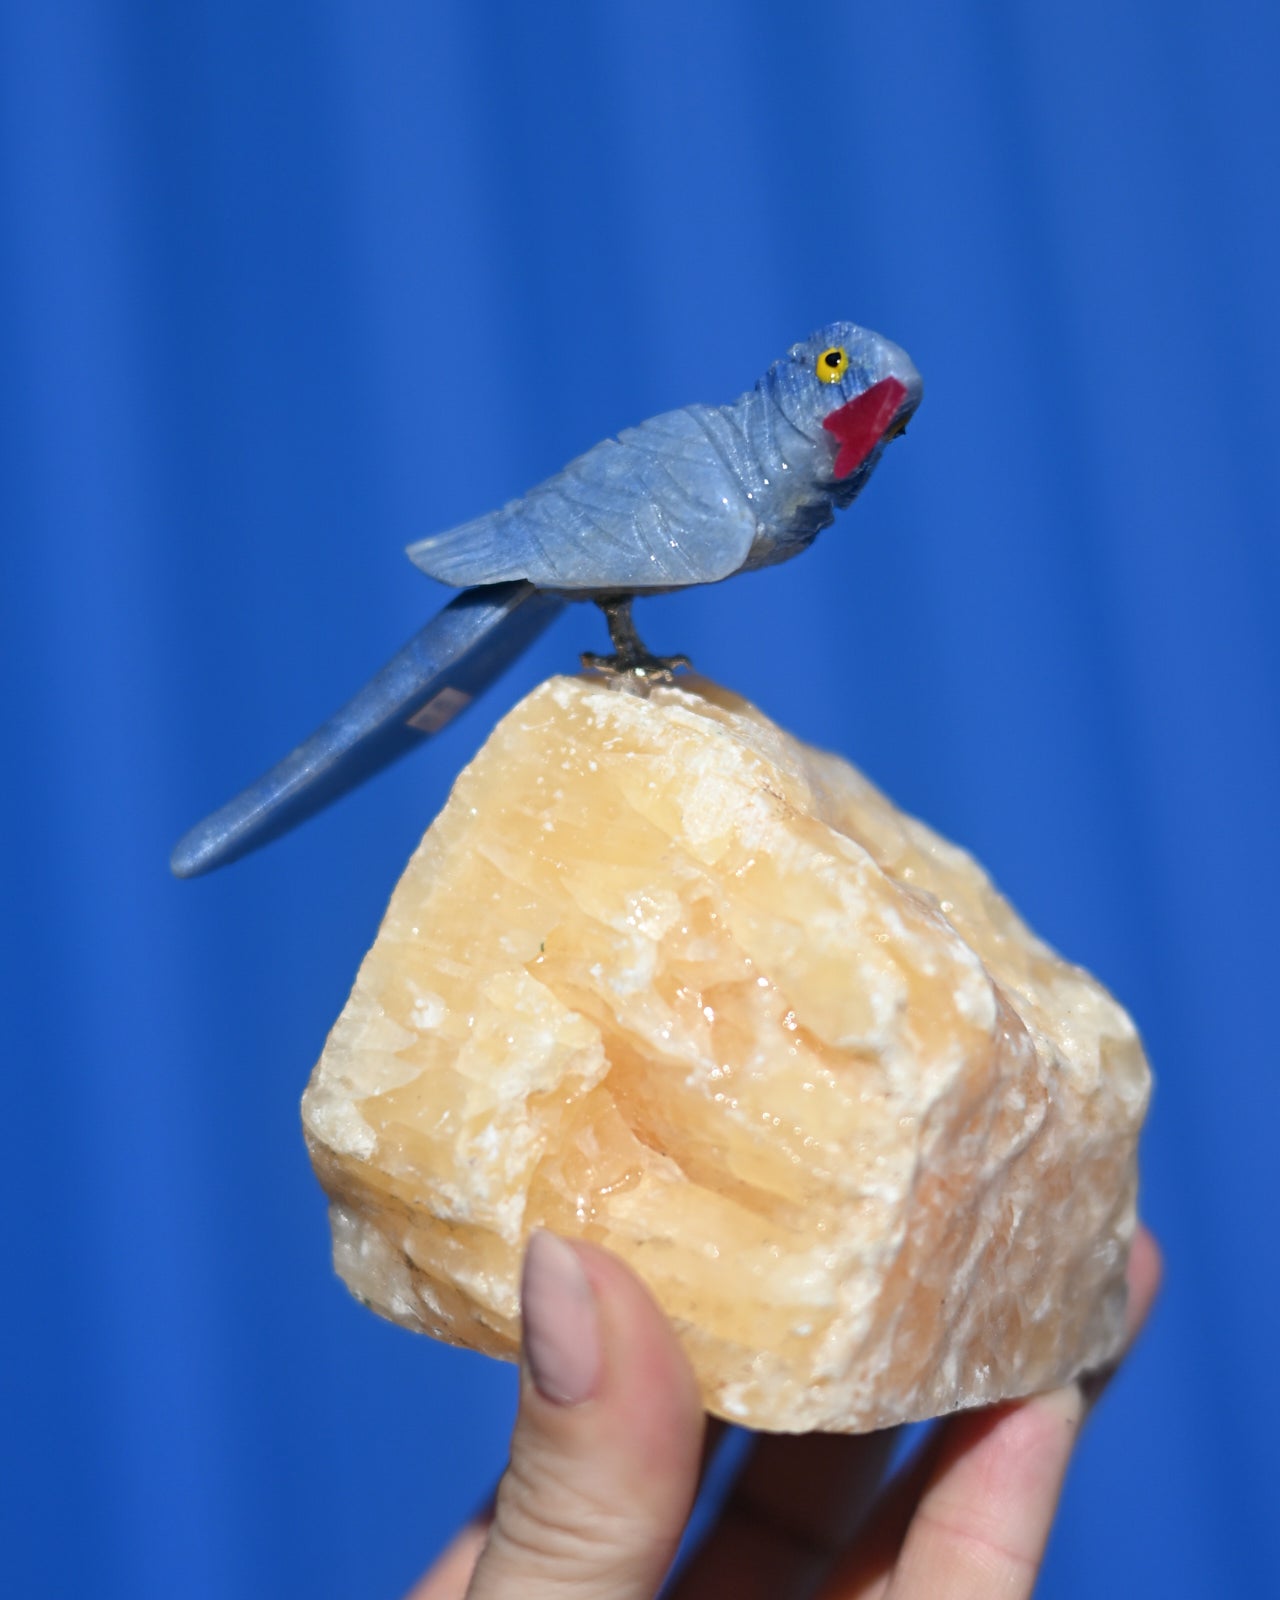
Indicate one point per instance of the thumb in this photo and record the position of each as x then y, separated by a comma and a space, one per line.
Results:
604, 1458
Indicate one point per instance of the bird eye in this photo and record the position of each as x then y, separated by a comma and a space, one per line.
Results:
833, 364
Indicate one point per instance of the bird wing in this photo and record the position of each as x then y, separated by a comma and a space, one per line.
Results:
659, 507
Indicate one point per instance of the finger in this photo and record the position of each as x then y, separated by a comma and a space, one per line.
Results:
605, 1454
864, 1570
797, 1502
450, 1575
981, 1525
1145, 1270
972, 1515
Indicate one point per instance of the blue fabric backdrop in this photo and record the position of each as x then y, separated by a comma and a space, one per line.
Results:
260, 268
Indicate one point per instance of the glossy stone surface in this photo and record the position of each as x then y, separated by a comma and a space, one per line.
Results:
662, 976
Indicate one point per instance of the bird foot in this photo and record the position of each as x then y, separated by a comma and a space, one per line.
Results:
638, 667
630, 667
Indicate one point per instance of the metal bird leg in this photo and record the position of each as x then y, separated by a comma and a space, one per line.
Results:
630, 657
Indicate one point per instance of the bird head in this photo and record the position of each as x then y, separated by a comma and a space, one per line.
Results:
850, 391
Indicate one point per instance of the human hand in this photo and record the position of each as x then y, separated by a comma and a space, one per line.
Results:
606, 1454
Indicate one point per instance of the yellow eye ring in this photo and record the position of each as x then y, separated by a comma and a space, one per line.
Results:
832, 364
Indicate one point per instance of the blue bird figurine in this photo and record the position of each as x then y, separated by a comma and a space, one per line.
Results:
691, 496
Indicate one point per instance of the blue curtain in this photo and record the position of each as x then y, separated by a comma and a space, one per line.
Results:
284, 286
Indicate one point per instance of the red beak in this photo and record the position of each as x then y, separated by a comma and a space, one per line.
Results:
860, 425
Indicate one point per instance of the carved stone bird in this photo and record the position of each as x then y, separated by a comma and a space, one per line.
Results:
691, 496
696, 495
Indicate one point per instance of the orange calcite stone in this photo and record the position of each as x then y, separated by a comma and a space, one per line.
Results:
663, 977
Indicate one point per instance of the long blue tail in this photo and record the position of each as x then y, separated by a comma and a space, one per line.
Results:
456, 656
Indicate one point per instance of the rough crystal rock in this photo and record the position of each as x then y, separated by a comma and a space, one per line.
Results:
661, 976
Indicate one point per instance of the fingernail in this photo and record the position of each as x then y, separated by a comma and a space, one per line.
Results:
561, 1328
